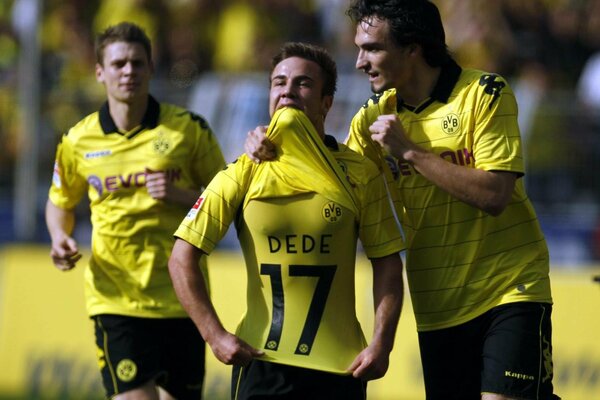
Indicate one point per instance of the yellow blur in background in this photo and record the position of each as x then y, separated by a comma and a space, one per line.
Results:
47, 341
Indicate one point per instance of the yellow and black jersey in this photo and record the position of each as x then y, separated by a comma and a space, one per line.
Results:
298, 219
460, 260
132, 233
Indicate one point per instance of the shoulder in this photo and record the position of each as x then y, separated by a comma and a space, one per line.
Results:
358, 166
489, 90
487, 82
173, 114
87, 127
378, 100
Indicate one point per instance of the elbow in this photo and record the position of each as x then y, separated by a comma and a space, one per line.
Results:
494, 210
496, 205
175, 262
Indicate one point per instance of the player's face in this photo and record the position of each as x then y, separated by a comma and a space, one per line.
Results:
298, 83
125, 71
386, 63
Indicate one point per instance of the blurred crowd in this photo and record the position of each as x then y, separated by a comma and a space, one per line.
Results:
548, 49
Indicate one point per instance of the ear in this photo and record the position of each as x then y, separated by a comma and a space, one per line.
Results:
326, 104
415, 48
99, 73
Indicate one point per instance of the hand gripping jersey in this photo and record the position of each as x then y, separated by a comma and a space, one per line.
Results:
132, 233
461, 261
298, 220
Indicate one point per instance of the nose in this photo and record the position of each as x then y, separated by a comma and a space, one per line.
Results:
361, 62
128, 68
287, 90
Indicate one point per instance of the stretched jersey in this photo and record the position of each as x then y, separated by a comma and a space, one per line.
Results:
132, 233
461, 261
299, 242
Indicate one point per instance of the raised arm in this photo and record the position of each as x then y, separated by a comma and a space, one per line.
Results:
258, 147
489, 191
191, 291
388, 294
64, 251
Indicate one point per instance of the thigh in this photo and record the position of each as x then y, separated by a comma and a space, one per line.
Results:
265, 380
517, 353
128, 352
183, 355
451, 360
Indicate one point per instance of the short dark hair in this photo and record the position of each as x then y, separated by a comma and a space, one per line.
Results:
410, 21
314, 53
122, 32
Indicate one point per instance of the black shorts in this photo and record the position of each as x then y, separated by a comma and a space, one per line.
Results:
132, 351
262, 380
507, 350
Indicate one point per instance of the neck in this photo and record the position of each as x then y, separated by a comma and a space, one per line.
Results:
419, 88
127, 115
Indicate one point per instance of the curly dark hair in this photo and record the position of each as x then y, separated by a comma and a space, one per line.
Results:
410, 21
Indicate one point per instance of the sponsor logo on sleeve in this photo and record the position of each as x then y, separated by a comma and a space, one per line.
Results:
56, 175
194, 210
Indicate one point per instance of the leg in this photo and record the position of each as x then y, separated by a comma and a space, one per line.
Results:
265, 380
183, 358
451, 360
128, 355
147, 391
517, 353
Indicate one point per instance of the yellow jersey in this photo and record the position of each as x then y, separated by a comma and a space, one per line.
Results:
460, 261
132, 233
299, 237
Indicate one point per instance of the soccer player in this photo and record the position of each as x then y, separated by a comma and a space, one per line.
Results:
142, 164
477, 261
298, 219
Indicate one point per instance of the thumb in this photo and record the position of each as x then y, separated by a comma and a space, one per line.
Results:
71, 245
256, 352
355, 364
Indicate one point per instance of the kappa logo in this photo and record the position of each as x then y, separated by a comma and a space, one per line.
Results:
331, 212
101, 357
126, 370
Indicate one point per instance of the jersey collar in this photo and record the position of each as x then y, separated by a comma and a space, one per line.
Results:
331, 142
443, 88
149, 121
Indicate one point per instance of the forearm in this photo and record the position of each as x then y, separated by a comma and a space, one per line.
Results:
488, 191
60, 222
190, 288
388, 296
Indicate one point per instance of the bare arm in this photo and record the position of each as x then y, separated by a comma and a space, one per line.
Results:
489, 191
190, 288
388, 293
60, 223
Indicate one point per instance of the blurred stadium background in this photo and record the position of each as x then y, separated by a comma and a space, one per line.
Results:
212, 57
